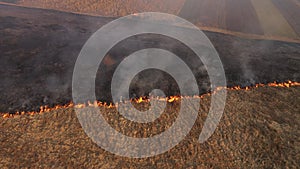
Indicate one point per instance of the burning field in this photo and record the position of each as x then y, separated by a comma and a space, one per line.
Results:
40, 47
39, 127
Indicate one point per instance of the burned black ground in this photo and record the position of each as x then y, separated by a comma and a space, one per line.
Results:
39, 49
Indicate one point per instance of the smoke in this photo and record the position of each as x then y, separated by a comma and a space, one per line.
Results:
247, 71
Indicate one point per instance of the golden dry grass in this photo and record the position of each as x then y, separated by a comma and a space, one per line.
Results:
259, 129
108, 8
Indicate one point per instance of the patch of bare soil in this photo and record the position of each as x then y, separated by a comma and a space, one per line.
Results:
259, 129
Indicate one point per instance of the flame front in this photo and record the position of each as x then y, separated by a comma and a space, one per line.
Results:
140, 100
45, 109
173, 99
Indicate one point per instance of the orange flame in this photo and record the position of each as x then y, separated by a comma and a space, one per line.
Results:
173, 99
45, 109
140, 100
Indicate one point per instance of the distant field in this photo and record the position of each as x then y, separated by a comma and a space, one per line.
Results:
290, 11
209, 13
9, 1
241, 17
271, 19
232, 15
268, 19
111, 8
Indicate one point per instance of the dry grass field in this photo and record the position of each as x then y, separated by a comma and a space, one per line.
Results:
269, 19
259, 129
108, 8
